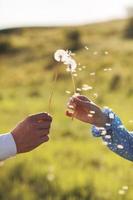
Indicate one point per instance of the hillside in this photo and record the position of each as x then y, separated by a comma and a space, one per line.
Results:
73, 165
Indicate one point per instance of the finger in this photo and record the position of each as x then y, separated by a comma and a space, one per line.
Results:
84, 98
79, 102
43, 132
71, 107
41, 117
45, 139
69, 114
43, 125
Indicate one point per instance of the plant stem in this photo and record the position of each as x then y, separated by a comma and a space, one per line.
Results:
73, 82
52, 91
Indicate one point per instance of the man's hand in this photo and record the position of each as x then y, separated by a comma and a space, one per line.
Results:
32, 132
85, 110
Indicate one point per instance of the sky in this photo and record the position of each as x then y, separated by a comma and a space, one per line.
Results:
17, 13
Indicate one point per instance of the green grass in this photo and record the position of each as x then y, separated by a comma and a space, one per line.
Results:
73, 165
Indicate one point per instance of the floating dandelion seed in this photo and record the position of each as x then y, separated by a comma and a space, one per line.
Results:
125, 187
95, 95
87, 48
68, 92
121, 192
86, 87
106, 52
95, 53
80, 69
78, 89
105, 143
92, 74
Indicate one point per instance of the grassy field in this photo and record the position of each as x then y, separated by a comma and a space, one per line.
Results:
73, 165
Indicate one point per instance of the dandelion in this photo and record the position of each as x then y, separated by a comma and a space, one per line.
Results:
61, 55
71, 64
66, 58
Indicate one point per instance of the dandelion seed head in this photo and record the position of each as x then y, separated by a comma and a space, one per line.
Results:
71, 64
61, 55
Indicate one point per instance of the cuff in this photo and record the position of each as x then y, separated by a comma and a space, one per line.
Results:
115, 122
7, 146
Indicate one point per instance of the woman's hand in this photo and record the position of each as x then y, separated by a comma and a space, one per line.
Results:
83, 109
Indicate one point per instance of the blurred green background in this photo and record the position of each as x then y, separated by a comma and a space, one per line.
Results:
72, 165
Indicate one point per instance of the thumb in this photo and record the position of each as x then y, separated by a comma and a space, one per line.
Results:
79, 102
69, 114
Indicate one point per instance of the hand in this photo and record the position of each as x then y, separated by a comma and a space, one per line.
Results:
85, 110
32, 132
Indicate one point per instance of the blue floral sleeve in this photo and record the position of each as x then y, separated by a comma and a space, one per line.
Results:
116, 136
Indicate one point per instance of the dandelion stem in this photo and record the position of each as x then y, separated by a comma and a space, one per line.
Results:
52, 91
74, 87
73, 82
